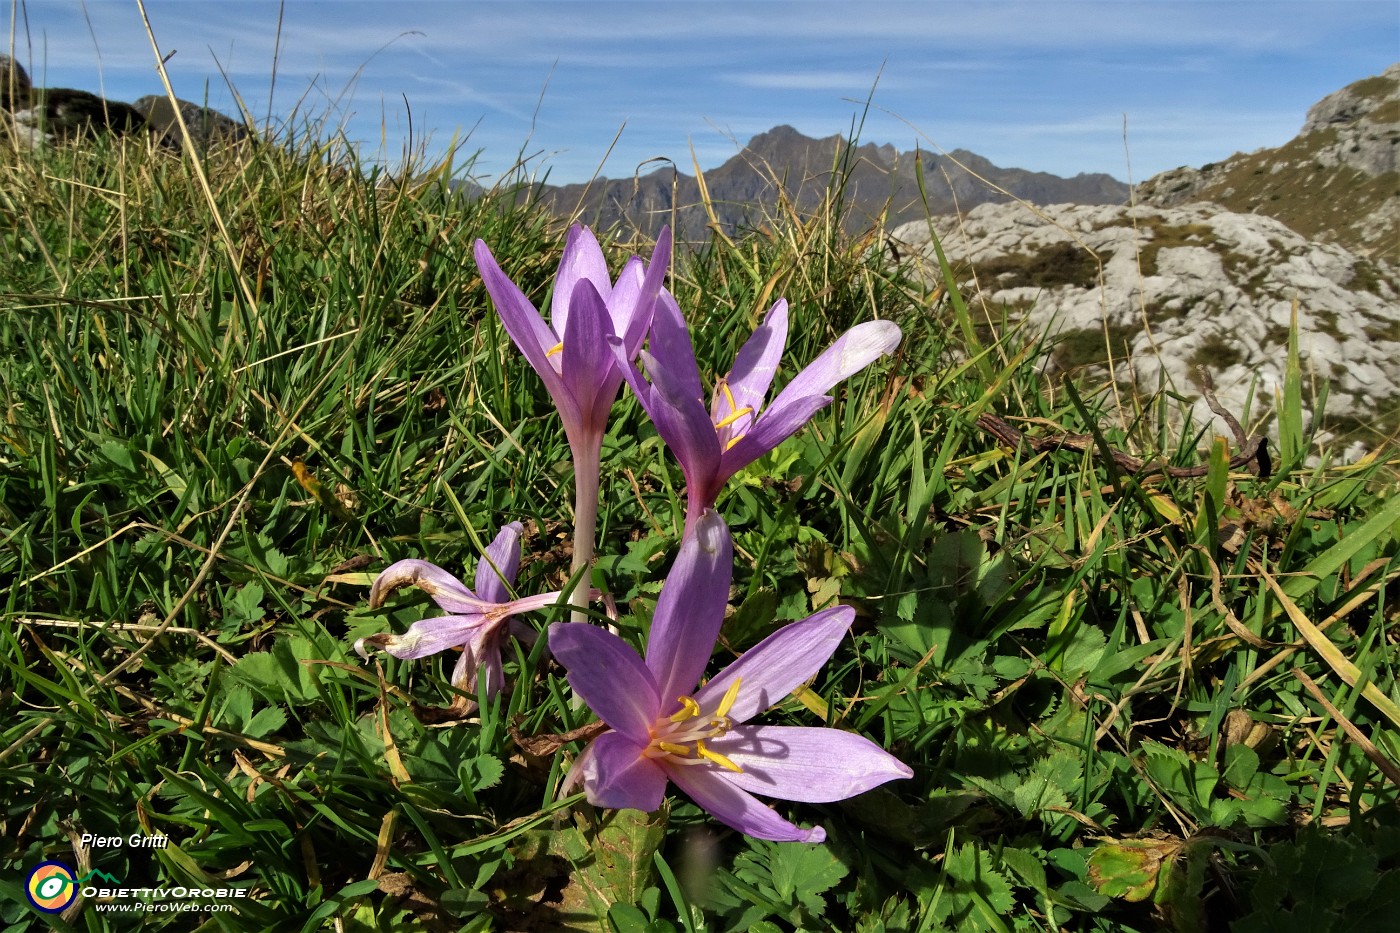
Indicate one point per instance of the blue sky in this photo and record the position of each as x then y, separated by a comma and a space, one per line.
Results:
1040, 85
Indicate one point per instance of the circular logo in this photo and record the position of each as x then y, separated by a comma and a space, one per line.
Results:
51, 887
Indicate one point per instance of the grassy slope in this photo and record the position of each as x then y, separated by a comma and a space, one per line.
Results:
1106, 704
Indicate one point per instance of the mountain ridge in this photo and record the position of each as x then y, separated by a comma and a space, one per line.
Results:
782, 166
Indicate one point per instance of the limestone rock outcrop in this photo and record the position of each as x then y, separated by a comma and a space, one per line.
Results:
1168, 289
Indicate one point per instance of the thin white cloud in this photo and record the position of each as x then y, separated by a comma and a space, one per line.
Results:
846, 81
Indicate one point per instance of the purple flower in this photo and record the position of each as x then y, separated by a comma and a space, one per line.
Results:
475, 622
663, 729
712, 445
573, 356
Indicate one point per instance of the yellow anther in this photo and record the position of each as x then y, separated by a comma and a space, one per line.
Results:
730, 695
557, 348
689, 710
733, 417
717, 758
728, 396
673, 748
733, 441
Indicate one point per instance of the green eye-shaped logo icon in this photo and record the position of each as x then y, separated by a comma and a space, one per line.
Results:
51, 887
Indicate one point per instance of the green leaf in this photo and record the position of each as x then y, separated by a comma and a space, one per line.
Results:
611, 857
265, 722
803, 872
481, 773
1129, 868
1241, 764
624, 918
1191, 783
246, 604
980, 894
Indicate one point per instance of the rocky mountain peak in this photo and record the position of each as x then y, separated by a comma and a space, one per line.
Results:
1365, 100
1338, 180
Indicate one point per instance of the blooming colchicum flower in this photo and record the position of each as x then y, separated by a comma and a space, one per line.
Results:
572, 355
664, 729
713, 445
475, 622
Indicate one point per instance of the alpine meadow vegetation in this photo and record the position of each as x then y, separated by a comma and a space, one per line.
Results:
1011, 652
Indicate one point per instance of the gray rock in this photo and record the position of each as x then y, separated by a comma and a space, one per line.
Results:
1174, 288
45, 115
207, 127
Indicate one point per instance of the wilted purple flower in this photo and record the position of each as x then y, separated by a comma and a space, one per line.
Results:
475, 622
664, 729
713, 445
573, 356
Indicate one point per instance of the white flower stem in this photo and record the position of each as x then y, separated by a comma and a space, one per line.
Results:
586, 469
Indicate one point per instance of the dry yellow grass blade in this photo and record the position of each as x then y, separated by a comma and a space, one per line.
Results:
1331, 653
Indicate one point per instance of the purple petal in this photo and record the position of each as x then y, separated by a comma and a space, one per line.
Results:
445, 589
854, 350
606, 672
469, 665
781, 420
582, 261
754, 368
737, 808
633, 300
616, 774
634, 330
673, 352
531, 334
686, 428
427, 636
588, 368
813, 765
690, 609
497, 570
781, 662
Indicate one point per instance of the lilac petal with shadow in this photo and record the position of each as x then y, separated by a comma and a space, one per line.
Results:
428, 636
583, 261
812, 765
854, 350
686, 429
757, 363
672, 354
780, 663
522, 322
780, 421
737, 808
588, 364
635, 294
446, 590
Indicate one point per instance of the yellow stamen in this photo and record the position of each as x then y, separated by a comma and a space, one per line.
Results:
733, 417
717, 758
689, 710
728, 396
733, 441
557, 348
730, 695
673, 748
